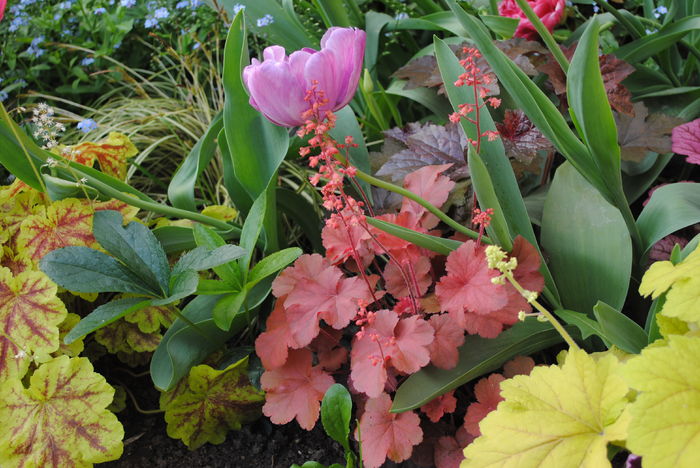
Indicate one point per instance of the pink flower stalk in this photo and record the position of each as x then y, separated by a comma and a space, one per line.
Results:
278, 86
549, 11
3, 3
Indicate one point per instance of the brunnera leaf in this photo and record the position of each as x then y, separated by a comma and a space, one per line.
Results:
61, 419
210, 403
30, 314
111, 153
555, 417
666, 414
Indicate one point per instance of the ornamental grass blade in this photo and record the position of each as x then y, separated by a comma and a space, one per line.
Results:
181, 187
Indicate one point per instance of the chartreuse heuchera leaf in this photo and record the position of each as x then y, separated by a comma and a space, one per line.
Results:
680, 282
30, 314
555, 417
203, 407
665, 425
61, 420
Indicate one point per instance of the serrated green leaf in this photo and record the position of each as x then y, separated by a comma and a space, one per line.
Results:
82, 269
104, 315
272, 264
229, 272
181, 285
336, 411
205, 258
135, 246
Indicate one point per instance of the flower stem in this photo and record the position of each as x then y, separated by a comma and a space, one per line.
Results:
422, 202
541, 309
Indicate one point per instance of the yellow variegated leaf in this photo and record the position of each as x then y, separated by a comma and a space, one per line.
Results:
30, 314
662, 275
16, 263
150, 319
665, 426
60, 420
65, 222
111, 153
128, 211
122, 336
22, 206
211, 403
224, 213
555, 417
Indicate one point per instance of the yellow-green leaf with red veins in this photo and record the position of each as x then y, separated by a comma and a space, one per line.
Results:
122, 336
70, 350
16, 263
17, 210
150, 319
212, 402
128, 211
60, 420
30, 314
112, 153
63, 223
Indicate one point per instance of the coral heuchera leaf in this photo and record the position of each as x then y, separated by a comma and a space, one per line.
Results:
384, 434
315, 290
666, 414
685, 140
555, 417
295, 390
210, 403
30, 314
61, 420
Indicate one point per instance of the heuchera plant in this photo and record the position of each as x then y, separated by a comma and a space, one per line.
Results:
373, 288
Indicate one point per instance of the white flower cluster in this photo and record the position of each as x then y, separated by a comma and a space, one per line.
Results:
46, 128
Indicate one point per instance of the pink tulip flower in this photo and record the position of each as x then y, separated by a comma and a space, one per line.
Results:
549, 11
278, 85
3, 3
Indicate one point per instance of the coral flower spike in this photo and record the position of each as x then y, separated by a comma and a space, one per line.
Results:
279, 84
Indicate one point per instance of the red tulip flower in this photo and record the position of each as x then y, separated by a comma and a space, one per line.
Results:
549, 11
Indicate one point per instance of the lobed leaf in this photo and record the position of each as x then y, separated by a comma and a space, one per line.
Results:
61, 419
666, 414
555, 417
30, 314
209, 403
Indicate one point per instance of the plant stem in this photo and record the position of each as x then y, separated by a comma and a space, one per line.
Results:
550, 317
422, 202
544, 34
157, 207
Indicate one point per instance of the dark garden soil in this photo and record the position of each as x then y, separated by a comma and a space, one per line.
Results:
260, 444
